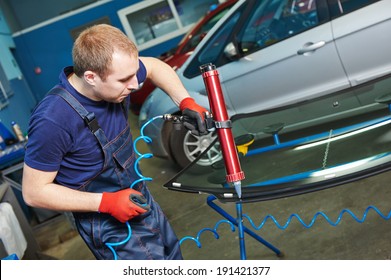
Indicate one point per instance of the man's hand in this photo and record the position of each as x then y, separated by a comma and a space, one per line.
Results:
193, 116
120, 205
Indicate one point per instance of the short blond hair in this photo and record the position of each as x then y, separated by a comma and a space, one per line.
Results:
94, 47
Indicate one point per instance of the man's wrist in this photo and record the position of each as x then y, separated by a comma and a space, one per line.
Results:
186, 103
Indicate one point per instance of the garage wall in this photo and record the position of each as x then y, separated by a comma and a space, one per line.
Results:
43, 50
16, 100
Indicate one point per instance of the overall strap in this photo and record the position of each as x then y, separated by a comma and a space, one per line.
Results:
88, 117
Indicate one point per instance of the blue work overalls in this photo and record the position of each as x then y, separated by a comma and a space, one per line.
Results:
152, 237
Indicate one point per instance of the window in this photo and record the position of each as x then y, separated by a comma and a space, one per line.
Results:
265, 23
340, 7
23, 14
214, 47
276, 20
199, 35
5, 88
149, 23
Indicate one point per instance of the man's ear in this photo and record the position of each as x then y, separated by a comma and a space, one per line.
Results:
90, 77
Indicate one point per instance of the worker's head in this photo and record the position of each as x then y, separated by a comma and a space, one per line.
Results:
94, 48
107, 63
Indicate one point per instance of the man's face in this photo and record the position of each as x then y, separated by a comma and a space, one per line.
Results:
121, 80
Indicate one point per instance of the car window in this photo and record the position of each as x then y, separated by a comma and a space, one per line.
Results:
275, 20
266, 22
200, 34
213, 49
215, 46
341, 7
308, 144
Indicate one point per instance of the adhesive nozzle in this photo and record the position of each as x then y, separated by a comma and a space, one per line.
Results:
238, 188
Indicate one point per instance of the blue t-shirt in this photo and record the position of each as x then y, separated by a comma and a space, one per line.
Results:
60, 141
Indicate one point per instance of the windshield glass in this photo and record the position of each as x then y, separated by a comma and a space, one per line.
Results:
301, 148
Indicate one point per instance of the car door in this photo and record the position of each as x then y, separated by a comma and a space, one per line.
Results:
362, 34
288, 56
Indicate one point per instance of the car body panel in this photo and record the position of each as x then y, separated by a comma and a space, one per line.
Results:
359, 42
263, 87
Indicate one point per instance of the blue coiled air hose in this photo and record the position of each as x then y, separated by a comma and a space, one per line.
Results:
141, 179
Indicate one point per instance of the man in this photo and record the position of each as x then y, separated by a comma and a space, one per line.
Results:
80, 156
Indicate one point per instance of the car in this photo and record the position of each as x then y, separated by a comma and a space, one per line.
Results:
274, 53
177, 56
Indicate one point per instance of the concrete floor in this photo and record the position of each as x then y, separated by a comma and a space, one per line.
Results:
189, 213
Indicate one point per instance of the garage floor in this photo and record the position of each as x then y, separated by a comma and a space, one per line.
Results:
189, 213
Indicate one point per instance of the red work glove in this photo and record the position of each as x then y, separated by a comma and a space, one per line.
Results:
120, 204
193, 116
